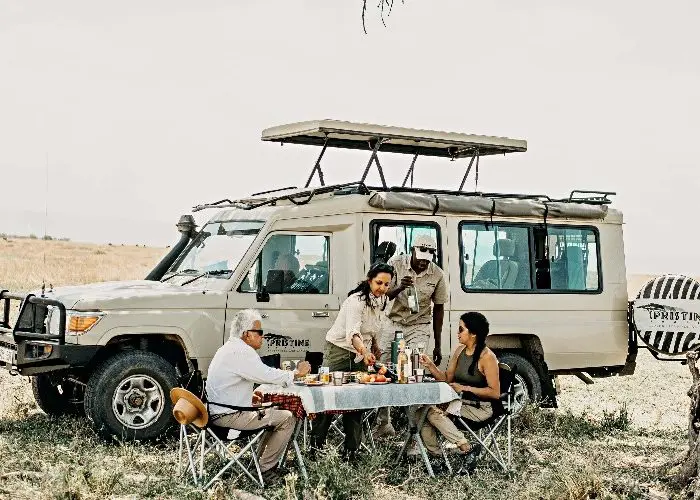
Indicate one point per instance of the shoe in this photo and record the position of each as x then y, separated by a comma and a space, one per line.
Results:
466, 462
274, 475
385, 430
472, 455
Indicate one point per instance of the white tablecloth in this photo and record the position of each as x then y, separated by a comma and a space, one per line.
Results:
362, 397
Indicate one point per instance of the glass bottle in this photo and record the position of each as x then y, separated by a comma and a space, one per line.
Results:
412, 296
409, 364
402, 364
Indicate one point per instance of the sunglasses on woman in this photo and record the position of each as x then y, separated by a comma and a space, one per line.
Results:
259, 332
426, 249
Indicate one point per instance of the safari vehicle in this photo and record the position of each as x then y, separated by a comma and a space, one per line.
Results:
548, 273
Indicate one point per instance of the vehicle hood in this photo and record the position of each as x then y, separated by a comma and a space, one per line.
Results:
120, 295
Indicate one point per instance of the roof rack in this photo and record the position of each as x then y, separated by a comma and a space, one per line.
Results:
595, 197
304, 196
293, 197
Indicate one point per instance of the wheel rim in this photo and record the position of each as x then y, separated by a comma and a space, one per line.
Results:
521, 395
138, 401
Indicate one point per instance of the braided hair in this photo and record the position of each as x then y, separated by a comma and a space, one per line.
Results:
478, 325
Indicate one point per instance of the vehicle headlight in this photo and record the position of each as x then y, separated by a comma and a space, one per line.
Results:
81, 322
77, 322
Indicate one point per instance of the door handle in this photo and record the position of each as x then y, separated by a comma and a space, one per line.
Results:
264, 316
320, 314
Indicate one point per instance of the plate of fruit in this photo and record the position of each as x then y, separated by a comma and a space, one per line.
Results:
372, 379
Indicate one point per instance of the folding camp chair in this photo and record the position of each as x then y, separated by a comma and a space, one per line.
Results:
199, 438
484, 432
370, 446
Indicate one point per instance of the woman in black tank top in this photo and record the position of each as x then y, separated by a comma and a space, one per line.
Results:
472, 373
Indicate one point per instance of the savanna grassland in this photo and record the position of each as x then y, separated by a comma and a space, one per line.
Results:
612, 439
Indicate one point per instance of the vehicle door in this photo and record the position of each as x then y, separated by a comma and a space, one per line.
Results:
290, 283
392, 235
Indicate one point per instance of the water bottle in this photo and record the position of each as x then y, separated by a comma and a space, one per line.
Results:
398, 337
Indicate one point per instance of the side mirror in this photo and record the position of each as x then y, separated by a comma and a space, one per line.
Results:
263, 296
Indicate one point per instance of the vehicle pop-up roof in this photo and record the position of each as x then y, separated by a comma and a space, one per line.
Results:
376, 138
415, 142
340, 134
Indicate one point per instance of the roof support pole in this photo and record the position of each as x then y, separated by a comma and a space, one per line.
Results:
374, 158
469, 169
410, 171
317, 166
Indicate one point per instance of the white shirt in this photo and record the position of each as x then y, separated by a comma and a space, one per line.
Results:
235, 369
357, 318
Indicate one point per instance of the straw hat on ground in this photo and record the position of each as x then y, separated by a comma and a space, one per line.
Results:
188, 408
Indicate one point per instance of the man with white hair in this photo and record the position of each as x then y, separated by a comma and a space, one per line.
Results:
235, 369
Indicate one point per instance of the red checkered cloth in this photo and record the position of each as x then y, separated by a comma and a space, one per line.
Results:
288, 402
293, 403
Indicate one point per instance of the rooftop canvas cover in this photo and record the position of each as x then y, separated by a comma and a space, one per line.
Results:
342, 134
480, 205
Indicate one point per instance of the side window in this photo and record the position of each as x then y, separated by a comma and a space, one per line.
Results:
392, 238
290, 263
573, 259
495, 257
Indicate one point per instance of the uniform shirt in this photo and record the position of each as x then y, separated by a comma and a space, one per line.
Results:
356, 317
235, 369
430, 286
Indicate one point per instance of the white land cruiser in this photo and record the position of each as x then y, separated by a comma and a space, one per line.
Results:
548, 273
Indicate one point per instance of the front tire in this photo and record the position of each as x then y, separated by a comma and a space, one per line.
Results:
55, 398
127, 396
528, 387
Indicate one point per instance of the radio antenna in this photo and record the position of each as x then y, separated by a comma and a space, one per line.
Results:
46, 217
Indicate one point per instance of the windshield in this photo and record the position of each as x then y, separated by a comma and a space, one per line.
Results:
218, 248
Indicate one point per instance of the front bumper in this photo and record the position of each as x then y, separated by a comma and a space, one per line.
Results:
28, 348
52, 357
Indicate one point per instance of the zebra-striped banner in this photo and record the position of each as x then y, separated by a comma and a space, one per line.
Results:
666, 314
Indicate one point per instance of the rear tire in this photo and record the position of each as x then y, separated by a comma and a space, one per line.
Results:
128, 396
528, 386
53, 398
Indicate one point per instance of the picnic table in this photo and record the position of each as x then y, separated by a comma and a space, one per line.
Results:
305, 401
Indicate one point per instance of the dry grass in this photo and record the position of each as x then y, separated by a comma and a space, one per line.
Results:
608, 440
25, 263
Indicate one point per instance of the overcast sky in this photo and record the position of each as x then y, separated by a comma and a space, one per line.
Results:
148, 108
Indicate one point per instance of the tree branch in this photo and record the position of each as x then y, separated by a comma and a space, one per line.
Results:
382, 3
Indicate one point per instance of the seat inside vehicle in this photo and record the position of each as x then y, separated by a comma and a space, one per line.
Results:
489, 272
